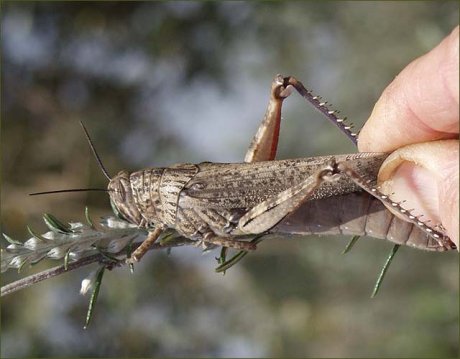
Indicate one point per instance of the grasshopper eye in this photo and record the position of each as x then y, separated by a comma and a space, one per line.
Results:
119, 191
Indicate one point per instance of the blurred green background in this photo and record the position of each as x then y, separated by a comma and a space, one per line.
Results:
163, 82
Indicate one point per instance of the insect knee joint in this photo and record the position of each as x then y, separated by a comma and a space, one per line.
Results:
330, 173
281, 87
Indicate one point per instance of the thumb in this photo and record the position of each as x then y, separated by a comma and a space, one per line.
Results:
425, 176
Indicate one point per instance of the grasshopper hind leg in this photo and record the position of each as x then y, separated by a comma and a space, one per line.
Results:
263, 147
270, 212
442, 241
264, 144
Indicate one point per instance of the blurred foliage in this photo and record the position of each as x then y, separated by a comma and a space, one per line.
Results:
164, 82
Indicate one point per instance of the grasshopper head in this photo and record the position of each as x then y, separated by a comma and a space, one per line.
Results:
121, 198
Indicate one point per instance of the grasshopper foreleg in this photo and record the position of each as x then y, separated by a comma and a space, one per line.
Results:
146, 244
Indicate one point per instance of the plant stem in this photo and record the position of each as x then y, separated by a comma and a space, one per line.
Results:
53, 272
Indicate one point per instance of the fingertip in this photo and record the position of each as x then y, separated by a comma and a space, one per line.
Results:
426, 177
451, 66
449, 199
373, 137
389, 126
421, 104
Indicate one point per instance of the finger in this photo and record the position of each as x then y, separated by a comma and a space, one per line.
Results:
425, 176
421, 104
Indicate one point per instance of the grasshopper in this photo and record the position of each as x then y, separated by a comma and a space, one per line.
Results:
225, 204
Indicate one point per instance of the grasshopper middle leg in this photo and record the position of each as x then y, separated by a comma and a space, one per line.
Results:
211, 238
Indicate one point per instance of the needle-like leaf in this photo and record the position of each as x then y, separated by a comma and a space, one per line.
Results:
379, 281
350, 244
94, 295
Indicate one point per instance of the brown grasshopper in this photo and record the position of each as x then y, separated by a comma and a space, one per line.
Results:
225, 204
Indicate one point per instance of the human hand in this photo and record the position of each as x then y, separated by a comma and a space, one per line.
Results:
421, 105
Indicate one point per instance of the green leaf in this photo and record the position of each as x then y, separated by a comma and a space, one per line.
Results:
231, 262
66, 259
167, 238
55, 225
94, 295
23, 263
36, 235
223, 255
88, 218
37, 259
237, 257
350, 244
107, 256
129, 250
11, 240
379, 281
222, 258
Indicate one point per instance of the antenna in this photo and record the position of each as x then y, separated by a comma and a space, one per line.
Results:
69, 190
93, 149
